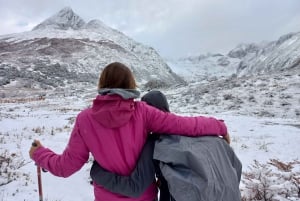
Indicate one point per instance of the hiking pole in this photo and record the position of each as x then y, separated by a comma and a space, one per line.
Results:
38, 169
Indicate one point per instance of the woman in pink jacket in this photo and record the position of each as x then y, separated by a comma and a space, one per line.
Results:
114, 131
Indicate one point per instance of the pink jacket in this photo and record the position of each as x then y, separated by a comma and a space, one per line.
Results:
114, 130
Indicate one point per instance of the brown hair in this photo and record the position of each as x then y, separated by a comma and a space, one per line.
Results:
116, 75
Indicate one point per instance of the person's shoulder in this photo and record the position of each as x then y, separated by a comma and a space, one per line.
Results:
143, 107
84, 113
219, 143
215, 140
140, 104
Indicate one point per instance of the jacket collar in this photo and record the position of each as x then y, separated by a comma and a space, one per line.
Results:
124, 93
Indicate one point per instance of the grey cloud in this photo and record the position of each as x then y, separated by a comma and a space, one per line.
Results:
173, 27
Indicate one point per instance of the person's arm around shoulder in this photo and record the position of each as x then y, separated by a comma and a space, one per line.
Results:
161, 122
133, 185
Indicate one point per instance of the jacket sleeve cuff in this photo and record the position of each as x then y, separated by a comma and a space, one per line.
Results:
36, 154
223, 128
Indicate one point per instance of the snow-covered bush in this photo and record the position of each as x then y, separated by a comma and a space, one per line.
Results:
228, 96
9, 164
274, 180
155, 84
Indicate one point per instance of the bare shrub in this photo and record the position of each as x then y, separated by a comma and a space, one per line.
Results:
155, 84
228, 96
268, 102
274, 180
9, 163
251, 98
285, 103
38, 130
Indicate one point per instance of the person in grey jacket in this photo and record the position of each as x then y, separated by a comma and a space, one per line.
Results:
189, 168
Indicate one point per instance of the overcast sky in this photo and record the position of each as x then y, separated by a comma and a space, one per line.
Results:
173, 27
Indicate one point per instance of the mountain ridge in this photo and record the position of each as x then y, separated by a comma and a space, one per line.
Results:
243, 60
64, 19
65, 43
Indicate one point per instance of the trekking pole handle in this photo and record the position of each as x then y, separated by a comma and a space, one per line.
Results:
34, 144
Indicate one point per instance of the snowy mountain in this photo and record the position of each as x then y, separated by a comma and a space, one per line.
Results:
202, 67
64, 19
244, 60
64, 50
275, 56
252, 79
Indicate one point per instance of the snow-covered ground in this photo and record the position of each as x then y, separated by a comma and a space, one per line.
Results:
51, 119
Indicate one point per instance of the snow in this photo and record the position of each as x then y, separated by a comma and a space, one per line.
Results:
50, 120
193, 69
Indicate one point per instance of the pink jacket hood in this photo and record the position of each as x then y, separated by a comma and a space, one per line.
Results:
112, 111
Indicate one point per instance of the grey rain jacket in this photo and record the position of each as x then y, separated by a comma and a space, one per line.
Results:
199, 168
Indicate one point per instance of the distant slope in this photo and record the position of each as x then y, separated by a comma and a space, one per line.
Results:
197, 68
275, 56
244, 60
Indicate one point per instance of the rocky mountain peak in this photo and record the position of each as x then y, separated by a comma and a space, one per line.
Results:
64, 50
243, 49
64, 19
